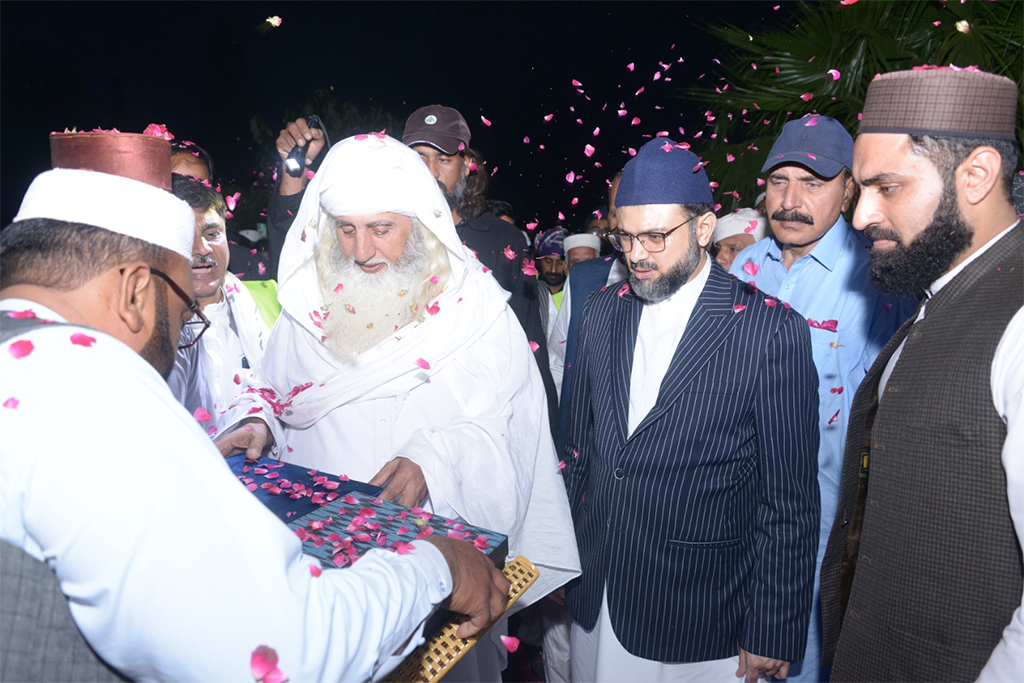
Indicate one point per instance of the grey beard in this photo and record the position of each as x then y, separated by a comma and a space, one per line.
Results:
660, 288
371, 306
457, 195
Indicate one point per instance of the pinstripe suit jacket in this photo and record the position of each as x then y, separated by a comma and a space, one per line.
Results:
703, 523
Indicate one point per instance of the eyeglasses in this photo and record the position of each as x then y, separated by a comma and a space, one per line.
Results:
653, 242
197, 321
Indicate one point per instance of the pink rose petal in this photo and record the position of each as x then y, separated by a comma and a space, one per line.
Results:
750, 268
570, 177
11, 403
202, 414
589, 150
807, 97
27, 313
738, 307
20, 348
529, 269
483, 119
534, 346
82, 339
835, 74
423, 364
511, 643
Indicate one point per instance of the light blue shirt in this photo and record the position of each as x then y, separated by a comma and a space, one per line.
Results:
850, 323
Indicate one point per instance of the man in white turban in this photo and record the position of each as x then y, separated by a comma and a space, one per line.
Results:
397, 361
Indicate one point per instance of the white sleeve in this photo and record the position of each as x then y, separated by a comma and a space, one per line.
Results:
1008, 396
172, 569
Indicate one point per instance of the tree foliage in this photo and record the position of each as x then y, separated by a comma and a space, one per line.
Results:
778, 74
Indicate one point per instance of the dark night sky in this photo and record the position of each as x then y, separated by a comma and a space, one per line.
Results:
204, 69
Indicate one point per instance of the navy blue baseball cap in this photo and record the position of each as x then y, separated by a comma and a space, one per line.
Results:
819, 143
663, 173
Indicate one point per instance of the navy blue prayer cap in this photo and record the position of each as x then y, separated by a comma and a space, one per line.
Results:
662, 173
550, 242
818, 142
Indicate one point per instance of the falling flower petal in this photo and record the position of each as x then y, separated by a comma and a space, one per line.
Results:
807, 97
834, 73
512, 644
529, 269
20, 348
82, 339
509, 254
738, 307
570, 177
750, 268
576, 83
483, 119
589, 150
549, 117
423, 364
11, 403
636, 121
630, 66
232, 200
274, 21
532, 225
730, 158
561, 216
963, 26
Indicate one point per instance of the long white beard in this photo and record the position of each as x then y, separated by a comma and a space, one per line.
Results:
363, 309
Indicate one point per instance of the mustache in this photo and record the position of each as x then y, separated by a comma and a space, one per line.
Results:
876, 232
646, 265
793, 216
204, 261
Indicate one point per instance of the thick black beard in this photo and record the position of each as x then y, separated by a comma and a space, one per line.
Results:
159, 351
906, 270
660, 288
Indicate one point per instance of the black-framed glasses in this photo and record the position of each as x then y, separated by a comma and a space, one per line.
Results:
654, 242
198, 321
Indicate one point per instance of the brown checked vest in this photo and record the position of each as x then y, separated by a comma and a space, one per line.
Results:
922, 570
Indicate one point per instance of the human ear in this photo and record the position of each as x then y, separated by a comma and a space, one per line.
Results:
705, 229
978, 174
849, 192
134, 299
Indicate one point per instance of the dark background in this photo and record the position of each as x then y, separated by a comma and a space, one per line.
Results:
207, 69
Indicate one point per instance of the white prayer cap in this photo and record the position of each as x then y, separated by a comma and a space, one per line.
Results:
742, 222
582, 240
121, 205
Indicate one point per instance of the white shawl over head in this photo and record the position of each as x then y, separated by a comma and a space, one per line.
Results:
362, 175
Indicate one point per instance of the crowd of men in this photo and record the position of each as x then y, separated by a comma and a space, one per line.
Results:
783, 442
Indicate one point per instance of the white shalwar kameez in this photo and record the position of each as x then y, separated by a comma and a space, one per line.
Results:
173, 571
232, 349
457, 392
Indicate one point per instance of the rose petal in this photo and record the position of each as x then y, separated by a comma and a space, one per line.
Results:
750, 268
202, 414
511, 643
423, 364
11, 403
484, 120
263, 661
738, 307
82, 339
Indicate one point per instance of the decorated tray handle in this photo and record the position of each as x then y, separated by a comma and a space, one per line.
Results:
432, 660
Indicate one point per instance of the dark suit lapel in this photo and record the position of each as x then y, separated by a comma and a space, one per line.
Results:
709, 326
623, 336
